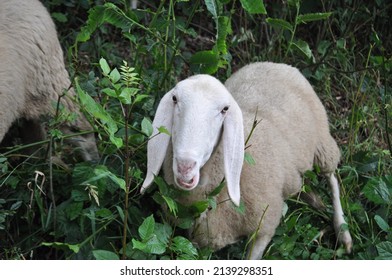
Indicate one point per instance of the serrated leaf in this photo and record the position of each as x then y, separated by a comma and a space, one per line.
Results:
376, 190
105, 255
384, 250
146, 229
171, 204
183, 248
381, 223
312, 17
152, 246
104, 66
163, 233
254, 6
147, 128
279, 23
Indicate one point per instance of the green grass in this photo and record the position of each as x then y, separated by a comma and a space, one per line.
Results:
79, 210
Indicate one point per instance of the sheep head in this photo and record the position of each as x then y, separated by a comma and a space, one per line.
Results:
200, 114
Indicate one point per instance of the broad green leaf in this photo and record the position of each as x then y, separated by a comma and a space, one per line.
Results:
206, 62
312, 17
110, 92
114, 75
125, 96
152, 246
74, 210
147, 128
381, 223
146, 229
104, 66
163, 232
183, 248
384, 250
254, 6
105, 255
376, 190
279, 23
200, 206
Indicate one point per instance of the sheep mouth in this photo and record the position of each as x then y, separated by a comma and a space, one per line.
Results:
188, 184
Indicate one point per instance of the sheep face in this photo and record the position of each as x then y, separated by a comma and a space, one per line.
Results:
200, 114
193, 140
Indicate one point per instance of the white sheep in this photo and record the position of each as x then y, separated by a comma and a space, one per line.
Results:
32, 72
208, 122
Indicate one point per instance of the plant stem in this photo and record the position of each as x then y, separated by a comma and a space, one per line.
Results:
127, 183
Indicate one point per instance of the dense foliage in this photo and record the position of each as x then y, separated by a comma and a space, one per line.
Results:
122, 61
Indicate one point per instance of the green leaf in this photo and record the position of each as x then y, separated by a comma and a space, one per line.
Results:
104, 66
200, 206
171, 204
222, 31
254, 6
114, 76
147, 128
63, 246
212, 7
303, 48
110, 92
206, 62
280, 23
98, 15
183, 248
146, 229
105, 255
249, 159
125, 96
217, 190
376, 190
381, 223
100, 172
163, 232
163, 130
384, 250
74, 210
96, 110
152, 246
312, 17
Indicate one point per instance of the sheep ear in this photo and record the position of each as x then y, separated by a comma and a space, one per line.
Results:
233, 151
158, 144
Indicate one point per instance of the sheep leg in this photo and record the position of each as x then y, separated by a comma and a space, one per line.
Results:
338, 220
266, 230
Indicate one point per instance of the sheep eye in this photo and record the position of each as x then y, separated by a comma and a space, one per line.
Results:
224, 110
174, 98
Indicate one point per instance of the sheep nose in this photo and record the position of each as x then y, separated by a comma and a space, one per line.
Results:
185, 166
